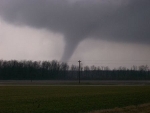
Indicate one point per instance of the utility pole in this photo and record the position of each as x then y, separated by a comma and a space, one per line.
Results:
79, 70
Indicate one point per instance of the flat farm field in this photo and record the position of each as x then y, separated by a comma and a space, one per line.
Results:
70, 99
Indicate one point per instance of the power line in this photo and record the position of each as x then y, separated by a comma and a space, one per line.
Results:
103, 60
113, 60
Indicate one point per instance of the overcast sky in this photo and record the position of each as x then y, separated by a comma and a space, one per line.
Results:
98, 32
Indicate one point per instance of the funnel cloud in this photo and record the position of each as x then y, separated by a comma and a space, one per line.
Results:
112, 20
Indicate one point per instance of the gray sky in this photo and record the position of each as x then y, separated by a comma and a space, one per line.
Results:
98, 32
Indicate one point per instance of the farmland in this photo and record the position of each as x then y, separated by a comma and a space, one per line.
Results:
70, 99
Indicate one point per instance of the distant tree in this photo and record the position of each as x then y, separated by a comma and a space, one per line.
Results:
143, 68
122, 68
64, 68
74, 70
135, 68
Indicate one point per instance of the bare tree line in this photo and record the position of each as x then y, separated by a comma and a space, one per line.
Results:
54, 70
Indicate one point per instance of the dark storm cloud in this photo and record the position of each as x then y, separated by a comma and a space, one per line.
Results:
112, 20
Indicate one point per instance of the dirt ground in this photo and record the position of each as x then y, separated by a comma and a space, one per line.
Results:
144, 108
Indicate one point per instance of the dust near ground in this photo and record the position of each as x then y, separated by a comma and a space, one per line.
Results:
143, 108
69, 82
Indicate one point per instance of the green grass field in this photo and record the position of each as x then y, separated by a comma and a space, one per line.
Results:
69, 99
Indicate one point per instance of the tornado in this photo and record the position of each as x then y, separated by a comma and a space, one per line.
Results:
126, 21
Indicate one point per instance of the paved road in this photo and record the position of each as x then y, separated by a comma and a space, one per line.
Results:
69, 83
